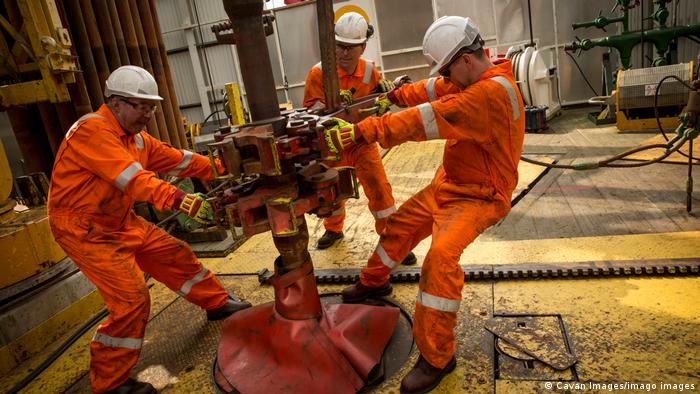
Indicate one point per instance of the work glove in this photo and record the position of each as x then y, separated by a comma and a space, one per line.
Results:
194, 205
402, 79
346, 96
382, 103
340, 136
385, 85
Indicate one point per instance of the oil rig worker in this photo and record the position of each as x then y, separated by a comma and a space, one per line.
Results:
357, 78
475, 106
105, 163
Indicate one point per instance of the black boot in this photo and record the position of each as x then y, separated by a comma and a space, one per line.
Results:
328, 239
233, 305
410, 259
359, 292
132, 386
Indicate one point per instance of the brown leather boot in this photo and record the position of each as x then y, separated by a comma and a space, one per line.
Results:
359, 292
132, 386
424, 377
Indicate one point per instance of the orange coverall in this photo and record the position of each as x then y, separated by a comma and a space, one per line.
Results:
484, 127
364, 157
98, 174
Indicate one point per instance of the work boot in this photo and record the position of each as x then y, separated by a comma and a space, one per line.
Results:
132, 386
410, 259
424, 377
328, 239
359, 292
233, 305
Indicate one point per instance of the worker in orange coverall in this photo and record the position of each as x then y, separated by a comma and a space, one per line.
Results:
477, 108
104, 164
357, 78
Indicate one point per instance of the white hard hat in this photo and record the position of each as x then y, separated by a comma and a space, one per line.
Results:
132, 81
351, 28
446, 36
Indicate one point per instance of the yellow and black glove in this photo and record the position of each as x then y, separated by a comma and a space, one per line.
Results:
385, 85
382, 103
194, 205
346, 96
340, 136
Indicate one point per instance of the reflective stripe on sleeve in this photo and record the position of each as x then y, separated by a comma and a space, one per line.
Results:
138, 140
337, 212
381, 214
186, 157
368, 72
187, 286
318, 66
386, 260
125, 176
511, 94
439, 303
127, 343
429, 124
430, 89
82, 118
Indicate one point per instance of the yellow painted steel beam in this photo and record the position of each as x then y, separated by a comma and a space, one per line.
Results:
51, 330
235, 105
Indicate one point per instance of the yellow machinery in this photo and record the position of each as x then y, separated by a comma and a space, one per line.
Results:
25, 238
634, 98
48, 52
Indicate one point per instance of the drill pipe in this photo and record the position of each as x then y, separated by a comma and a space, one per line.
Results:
251, 47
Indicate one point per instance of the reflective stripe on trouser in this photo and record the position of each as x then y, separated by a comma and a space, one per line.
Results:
375, 185
114, 260
454, 222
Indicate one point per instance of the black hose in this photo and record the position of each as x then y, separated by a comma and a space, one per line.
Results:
609, 162
656, 110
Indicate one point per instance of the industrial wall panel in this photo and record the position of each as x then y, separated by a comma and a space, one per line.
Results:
272, 50
479, 10
568, 12
573, 86
406, 59
209, 11
183, 78
220, 63
298, 40
403, 22
193, 115
172, 15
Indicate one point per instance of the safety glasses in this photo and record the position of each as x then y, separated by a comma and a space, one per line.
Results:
346, 48
143, 108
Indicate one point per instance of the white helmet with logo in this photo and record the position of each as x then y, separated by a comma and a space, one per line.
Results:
132, 81
446, 36
352, 29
